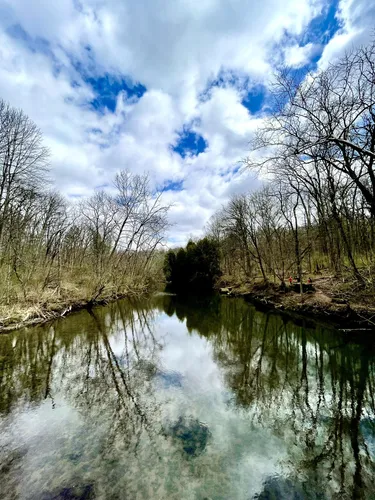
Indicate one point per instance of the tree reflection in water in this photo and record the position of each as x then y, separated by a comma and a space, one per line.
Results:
110, 408
311, 387
95, 361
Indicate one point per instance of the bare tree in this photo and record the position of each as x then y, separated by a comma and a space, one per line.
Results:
140, 217
52, 248
23, 158
330, 117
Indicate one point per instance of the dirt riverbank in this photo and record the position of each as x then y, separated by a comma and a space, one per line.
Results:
338, 303
344, 304
24, 315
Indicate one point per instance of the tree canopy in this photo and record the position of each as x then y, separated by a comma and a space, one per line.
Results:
196, 267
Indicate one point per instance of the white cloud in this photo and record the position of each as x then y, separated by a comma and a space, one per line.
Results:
173, 48
225, 122
167, 44
357, 21
297, 56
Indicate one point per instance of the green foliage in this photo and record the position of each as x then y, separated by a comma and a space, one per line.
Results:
196, 267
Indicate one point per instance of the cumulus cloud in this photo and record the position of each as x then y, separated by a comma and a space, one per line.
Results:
197, 62
297, 56
357, 21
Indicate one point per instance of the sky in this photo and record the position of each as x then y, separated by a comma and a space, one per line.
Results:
174, 88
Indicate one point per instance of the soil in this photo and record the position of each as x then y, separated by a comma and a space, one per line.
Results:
45, 313
339, 302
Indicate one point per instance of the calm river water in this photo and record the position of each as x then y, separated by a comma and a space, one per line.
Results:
185, 399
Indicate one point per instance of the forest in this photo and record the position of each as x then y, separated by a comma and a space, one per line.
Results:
55, 251
315, 213
315, 152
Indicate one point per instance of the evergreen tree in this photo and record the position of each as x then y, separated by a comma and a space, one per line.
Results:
197, 267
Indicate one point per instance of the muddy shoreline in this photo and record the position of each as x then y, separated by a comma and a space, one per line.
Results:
347, 317
61, 310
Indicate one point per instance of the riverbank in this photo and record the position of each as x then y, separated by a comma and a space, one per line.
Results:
341, 303
331, 301
24, 314
34, 314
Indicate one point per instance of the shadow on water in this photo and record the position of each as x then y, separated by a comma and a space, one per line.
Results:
116, 418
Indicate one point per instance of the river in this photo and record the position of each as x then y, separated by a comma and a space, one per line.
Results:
170, 398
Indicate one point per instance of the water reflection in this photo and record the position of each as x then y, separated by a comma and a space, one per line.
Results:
185, 399
316, 393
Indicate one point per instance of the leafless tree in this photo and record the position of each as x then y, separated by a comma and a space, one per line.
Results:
328, 116
53, 248
23, 158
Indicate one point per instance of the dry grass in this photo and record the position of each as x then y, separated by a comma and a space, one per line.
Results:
36, 300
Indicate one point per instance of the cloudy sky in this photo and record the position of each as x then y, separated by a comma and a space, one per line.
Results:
170, 87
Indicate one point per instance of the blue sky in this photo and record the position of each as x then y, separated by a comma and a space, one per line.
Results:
175, 89
189, 143
108, 87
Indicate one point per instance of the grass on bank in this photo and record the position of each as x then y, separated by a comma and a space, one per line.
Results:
38, 298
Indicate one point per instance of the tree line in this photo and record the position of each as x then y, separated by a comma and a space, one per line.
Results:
51, 248
316, 150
